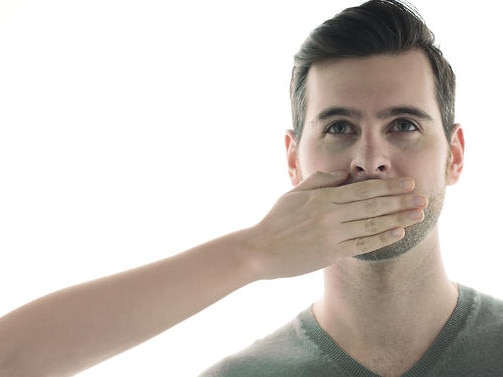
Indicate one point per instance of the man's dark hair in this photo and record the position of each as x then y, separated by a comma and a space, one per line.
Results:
375, 27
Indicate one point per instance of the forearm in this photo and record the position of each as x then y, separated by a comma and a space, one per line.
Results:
73, 329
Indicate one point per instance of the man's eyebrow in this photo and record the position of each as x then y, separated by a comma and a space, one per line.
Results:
338, 111
404, 110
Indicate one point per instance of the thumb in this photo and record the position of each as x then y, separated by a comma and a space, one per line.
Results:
321, 179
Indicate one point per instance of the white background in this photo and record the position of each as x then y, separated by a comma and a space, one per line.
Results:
133, 130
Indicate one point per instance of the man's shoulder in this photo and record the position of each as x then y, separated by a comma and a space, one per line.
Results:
487, 316
480, 309
477, 349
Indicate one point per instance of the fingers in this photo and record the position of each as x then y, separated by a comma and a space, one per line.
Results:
371, 189
369, 234
356, 191
379, 206
376, 225
379, 222
320, 180
365, 245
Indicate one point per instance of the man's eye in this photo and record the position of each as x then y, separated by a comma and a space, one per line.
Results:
403, 125
339, 128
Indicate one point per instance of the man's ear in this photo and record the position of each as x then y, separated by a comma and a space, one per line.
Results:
457, 153
291, 156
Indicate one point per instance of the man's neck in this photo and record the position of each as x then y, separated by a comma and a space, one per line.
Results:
387, 314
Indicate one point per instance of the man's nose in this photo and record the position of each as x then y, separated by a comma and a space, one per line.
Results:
371, 159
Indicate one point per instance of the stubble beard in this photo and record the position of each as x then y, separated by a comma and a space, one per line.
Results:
414, 234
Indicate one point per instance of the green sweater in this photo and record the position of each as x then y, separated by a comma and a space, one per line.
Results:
470, 344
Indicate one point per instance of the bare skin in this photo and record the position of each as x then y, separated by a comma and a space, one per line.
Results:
377, 118
316, 224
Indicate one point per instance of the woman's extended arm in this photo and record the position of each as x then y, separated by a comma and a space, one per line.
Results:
75, 328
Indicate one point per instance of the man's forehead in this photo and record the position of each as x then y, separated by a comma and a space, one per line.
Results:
390, 79
400, 62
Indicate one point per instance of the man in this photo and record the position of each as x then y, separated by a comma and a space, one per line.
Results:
373, 98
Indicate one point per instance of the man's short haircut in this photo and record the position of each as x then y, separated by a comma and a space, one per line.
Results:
375, 27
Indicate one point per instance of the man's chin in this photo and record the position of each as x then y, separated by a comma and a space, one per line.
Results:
389, 252
414, 234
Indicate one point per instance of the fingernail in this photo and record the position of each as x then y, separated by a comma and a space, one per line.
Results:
420, 201
407, 184
416, 215
398, 232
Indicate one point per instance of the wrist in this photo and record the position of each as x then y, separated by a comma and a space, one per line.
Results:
249, 256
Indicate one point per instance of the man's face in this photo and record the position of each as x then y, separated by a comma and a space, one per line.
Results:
375, 118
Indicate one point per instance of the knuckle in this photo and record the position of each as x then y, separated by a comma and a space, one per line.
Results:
362, 245
370, 205
371, 225
371, 243
362, 191
383, 239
